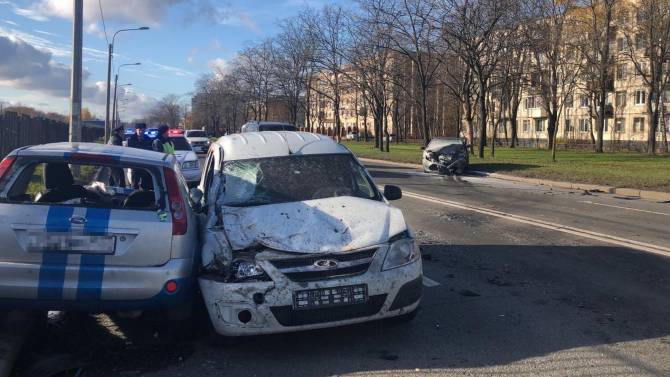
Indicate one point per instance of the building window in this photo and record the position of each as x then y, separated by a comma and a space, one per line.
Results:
568, 101
584, 100
638, 124
666, 96
530, 103
620, 99
583, 125
621, 72
640, 97
621, 44
623, 17
539, 125
568, 125
620, 125
640, 42
526, 125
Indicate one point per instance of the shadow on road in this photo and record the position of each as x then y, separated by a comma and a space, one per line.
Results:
495, 305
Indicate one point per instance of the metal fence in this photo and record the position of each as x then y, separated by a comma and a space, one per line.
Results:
18, 130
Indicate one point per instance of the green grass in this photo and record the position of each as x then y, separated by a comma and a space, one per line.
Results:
623, 169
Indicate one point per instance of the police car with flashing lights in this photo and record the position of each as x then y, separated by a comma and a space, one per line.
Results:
97, 228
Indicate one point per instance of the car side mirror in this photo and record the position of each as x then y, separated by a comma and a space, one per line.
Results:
392, 192
195, 195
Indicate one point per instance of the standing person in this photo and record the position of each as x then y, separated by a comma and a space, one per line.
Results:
162, 142
117, 137
139, 139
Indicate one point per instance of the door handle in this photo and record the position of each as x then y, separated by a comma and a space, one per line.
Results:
77, 220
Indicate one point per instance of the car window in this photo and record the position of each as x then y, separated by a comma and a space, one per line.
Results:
80, 184
209, 174
180, 143
295, 178
196, 134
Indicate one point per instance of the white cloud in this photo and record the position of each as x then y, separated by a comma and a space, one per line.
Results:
218, 65
22, 66
11, 23
45, 33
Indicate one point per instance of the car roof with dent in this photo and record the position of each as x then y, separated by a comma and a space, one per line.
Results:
266, 144
124, 153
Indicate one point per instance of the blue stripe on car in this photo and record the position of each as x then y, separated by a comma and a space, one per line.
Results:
52, 270
97, 221
92, 266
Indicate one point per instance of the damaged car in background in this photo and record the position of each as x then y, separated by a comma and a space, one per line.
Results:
446, 155
297, 236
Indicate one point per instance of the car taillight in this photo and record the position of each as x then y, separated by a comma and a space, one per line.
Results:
176, 202
5, 165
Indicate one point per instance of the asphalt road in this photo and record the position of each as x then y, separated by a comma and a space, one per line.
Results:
512, 289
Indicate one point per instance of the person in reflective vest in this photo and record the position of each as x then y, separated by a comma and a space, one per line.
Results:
162, 143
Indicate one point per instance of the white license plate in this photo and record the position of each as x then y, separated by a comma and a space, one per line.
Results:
325, 297
71, 243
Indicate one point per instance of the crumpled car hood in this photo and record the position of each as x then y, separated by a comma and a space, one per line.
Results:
314, 226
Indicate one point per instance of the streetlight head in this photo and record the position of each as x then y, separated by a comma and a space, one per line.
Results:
144, 28
137, 63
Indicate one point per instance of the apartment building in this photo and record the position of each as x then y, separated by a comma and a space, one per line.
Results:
627, 124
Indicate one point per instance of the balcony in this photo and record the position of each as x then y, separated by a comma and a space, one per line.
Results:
537, 112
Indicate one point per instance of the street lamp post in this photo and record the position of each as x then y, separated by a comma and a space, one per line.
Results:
109, 74
116, 81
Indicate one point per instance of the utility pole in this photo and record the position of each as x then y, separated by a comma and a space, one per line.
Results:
108, 127
75, 83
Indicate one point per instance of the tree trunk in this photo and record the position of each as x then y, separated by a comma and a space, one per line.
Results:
482, 117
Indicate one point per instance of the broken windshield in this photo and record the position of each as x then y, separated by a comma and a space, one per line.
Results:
295, 178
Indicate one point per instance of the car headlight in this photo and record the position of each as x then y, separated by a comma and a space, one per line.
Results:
401, 252
190, 165
208, 142
244, 270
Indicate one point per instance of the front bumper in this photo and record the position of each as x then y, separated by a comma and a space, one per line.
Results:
390, 293
117, 288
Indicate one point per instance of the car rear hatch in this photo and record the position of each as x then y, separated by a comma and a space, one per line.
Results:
85, 233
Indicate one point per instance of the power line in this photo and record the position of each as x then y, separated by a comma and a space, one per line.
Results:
102, 15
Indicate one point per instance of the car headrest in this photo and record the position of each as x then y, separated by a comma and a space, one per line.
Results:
57, 175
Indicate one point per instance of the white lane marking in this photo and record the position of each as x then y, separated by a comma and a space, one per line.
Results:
642, 246
428, 282
621, 207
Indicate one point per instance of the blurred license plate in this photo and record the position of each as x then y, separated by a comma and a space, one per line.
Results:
72, 243
323, 297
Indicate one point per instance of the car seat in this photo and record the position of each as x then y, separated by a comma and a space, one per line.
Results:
60, 185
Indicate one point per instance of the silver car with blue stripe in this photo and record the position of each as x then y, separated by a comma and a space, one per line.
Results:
95, 227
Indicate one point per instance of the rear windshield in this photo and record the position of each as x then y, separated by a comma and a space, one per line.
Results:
82, 184
180, 143
276, 127
263, 181
196, 134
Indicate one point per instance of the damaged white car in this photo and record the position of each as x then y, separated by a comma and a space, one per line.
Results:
297, 236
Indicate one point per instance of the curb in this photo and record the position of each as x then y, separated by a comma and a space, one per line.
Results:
642, 194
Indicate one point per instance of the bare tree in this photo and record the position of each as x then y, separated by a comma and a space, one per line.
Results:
167, 111
553, 67
648, 47
415, 34
479, 31
293, 66
329, 32
594, 28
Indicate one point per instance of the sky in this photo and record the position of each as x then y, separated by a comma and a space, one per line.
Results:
185, 40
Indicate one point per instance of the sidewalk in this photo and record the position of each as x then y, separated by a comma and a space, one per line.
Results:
642, 194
